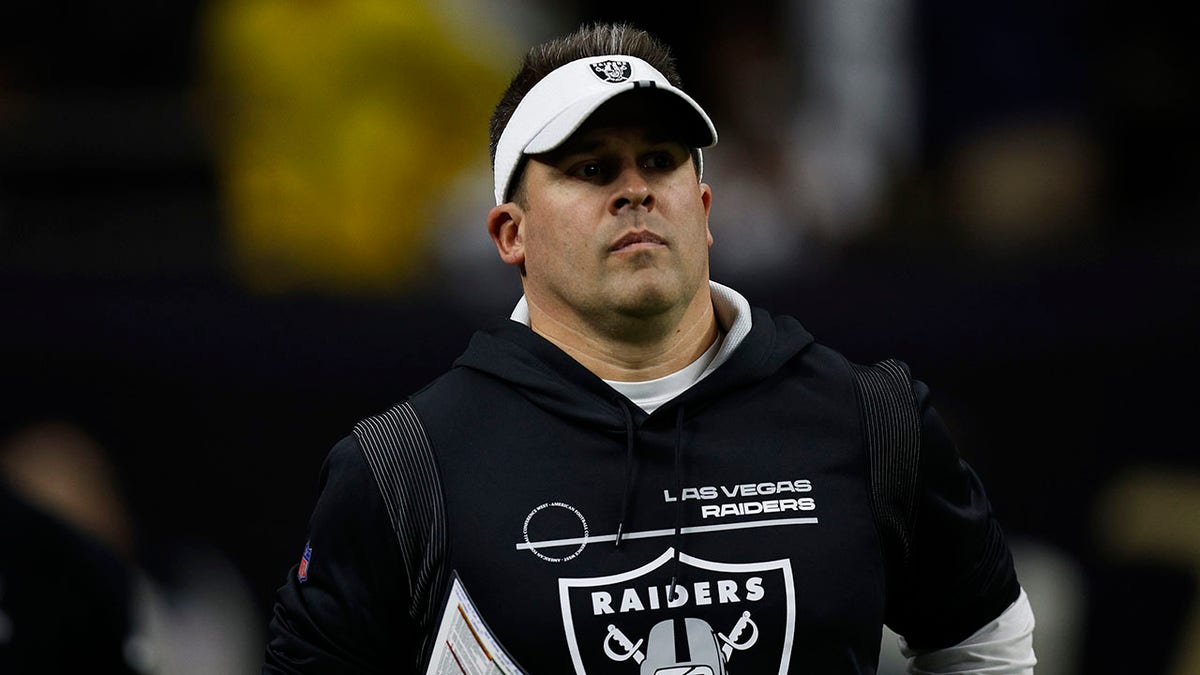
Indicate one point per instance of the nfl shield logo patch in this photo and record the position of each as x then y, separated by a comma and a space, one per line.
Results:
302, 572
720, 613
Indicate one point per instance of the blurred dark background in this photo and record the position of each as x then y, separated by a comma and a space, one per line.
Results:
229, 230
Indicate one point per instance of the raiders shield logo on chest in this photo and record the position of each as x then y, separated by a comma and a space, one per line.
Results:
719, 613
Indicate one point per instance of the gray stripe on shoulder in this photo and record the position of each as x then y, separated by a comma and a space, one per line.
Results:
401, 458
892, 434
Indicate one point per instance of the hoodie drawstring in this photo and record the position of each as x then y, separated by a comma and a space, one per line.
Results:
628, 492
628, 472
678, 500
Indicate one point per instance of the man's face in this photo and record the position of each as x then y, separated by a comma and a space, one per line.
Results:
612, 225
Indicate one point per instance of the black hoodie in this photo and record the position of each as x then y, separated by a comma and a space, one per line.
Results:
747, 537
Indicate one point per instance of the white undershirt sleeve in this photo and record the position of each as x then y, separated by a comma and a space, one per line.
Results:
1002, 647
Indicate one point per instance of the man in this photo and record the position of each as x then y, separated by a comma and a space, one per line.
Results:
636, 472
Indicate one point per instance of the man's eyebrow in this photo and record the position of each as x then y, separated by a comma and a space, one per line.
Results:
577, 146
587, 145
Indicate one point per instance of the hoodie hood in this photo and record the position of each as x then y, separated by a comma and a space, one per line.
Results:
551, 379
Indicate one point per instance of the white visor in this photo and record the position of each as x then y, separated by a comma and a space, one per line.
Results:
558, 104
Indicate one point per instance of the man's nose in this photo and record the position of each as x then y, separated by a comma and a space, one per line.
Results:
632, 190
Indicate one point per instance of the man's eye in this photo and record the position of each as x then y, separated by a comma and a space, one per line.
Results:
659, 160
588, 170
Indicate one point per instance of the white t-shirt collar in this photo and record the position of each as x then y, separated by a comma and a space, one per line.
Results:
733, 319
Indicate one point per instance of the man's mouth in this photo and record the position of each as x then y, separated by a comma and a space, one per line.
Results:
635, 239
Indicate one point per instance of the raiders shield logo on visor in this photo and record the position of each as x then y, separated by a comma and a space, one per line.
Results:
612, 71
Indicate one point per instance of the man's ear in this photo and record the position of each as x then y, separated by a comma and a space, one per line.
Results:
706, 199
504, 223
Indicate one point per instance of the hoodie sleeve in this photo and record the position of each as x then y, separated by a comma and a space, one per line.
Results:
960, 575
342, 608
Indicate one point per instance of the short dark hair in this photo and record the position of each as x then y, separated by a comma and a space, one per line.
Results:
598, 39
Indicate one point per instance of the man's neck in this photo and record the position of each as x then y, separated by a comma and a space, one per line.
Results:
638, 349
